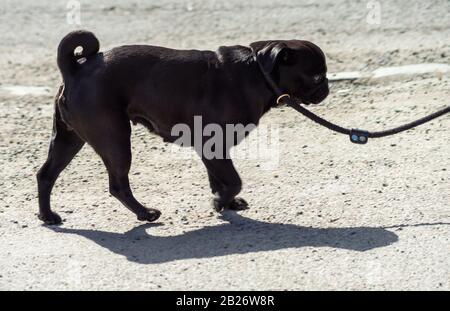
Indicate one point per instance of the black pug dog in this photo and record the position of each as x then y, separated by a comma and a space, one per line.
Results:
159, 88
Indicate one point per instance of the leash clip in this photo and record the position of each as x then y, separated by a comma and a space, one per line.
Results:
359, 136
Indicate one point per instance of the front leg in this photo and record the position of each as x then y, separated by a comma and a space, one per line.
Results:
214, 183
225, 184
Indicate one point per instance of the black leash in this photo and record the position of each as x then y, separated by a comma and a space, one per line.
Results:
357, 136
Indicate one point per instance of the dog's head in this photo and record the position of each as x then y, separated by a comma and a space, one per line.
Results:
298, 67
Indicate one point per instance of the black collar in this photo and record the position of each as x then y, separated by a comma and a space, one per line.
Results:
277, 91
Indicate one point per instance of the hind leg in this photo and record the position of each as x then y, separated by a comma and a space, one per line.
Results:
113, 146
64, 146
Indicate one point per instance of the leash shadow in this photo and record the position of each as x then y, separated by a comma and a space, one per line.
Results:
240, 235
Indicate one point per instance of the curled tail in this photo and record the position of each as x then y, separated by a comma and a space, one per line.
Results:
67, 60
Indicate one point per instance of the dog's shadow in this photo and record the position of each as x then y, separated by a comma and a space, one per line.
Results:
239, 236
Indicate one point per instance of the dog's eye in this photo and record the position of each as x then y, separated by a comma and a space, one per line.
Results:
317, 79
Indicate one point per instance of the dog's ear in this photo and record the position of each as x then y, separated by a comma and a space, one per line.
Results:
271, 53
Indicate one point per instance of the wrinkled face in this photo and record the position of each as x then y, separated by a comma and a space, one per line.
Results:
298, 67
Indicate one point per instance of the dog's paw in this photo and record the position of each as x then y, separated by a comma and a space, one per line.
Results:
150, 215
50, 218
238, 204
